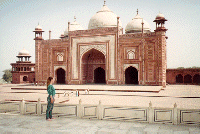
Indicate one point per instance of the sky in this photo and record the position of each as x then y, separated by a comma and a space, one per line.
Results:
18, 19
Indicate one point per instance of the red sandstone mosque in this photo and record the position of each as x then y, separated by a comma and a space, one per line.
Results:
102, 53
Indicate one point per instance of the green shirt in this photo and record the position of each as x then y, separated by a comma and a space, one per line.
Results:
51, 90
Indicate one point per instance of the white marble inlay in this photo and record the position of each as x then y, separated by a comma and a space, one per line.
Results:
129, 65
84, 49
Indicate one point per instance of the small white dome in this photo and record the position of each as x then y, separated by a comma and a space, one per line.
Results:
73, 27
135, 25
159, 16
104, 18
23, 52
38, 27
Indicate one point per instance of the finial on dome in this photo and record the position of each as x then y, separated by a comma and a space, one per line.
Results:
104, 2
137, 11
74, 18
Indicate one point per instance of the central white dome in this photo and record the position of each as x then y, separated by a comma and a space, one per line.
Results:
104, 18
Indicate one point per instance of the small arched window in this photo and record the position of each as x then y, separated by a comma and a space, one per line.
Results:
60, 56
131, 54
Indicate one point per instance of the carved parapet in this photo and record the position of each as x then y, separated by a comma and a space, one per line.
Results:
99, 31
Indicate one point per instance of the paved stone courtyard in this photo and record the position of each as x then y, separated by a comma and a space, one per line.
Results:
185, 96
37, 124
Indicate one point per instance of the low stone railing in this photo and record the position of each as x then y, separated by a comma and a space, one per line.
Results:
107, 112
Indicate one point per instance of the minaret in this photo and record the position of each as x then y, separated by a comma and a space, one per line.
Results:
38, 60
161, 49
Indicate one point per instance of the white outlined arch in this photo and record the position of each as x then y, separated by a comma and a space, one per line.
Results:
131, 65
131, 55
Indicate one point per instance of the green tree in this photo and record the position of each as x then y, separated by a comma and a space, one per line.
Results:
180, 68
7, 75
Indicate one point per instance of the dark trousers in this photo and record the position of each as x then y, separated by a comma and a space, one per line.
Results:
49, 108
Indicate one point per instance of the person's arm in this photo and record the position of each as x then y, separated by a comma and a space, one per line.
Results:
52, 100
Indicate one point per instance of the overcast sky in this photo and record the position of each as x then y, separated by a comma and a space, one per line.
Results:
18, 19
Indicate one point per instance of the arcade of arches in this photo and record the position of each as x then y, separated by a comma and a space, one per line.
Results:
183, 76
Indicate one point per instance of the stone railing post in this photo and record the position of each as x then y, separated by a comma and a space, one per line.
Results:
151, 115
80, 109
22, 107
39, 107
175, 111
100, 111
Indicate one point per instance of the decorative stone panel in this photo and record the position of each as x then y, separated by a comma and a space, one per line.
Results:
30, 108
90, 111
161, 115
119, 113
189, 116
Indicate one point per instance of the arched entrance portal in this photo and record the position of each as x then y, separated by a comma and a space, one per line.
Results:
60, 76
99, 75
93, 67
131, 76
179, 78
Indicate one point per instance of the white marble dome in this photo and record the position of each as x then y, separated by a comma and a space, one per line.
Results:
103, 18
23, 52
135, 25
73, 27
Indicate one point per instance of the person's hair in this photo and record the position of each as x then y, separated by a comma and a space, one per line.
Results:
49, 81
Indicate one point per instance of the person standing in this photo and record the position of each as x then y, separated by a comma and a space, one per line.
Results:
50, 99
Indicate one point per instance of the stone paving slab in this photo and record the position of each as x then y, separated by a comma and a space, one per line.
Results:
37, 124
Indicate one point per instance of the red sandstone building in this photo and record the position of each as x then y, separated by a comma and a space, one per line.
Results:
183, 76
23, 69
103, 53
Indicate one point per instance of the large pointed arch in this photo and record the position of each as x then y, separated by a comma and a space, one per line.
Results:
91, 60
